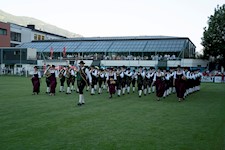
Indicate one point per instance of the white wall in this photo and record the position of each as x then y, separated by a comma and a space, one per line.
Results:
129, 63
153, 63
193, 62
25, 33
173, 63
31, 54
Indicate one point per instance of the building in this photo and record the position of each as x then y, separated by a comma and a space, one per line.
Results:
117, 51
21, 34
12, 34
15, 59
4, 34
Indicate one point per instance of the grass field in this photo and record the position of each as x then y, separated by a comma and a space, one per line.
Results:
56, 122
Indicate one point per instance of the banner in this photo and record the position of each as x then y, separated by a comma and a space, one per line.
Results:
51, 52
207, 79
218, 79
64, 52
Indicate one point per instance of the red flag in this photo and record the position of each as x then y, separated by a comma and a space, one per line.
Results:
64, 52
51, 52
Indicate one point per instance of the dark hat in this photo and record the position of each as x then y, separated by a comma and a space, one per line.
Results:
152, 67
81, 62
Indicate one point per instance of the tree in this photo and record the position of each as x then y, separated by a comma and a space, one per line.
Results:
213, 39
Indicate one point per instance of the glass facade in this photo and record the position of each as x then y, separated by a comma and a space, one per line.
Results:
132, 45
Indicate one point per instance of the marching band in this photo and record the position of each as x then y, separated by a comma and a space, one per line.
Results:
120, 80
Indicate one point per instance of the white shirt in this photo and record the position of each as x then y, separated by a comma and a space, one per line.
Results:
37, 72
178, 73
157, 74
111, 74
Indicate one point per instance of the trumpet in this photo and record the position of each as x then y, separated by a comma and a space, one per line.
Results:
47, 72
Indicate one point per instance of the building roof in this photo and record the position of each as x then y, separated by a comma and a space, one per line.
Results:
113, 44
36, 30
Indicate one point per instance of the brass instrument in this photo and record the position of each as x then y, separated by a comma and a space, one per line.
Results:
48, 73
61, 73
68, 73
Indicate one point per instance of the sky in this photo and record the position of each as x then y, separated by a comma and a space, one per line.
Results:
100, 18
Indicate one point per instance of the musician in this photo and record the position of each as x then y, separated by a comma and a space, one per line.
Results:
47, 80
147, 76
101, 77
62, 79
53, 81
123, 79
134, 78
144, 81
118, 81
171, 86
111, 80
160, 86
128, 75
36, 81
179, 82
88, 83
82, 75
191, 80
68, 74
166, 82
140, 80
104, 81
94, 76
72, 79
151, 79
187, 83
198, 78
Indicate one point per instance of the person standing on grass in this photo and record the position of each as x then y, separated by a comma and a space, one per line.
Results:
94, 76
159, 83
53, 81
62, 79
140, 77
82, 75
111, 80
36, 81
134, 78
47, 80
101, 76
179, 82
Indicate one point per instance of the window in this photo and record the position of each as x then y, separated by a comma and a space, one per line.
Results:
15, 36
16, 52
3, 31
39, 37
42, 37
35, 37
13, 45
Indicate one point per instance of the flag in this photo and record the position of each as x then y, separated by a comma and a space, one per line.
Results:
64, 52
51, 52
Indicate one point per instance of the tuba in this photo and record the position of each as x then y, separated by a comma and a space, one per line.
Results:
48, 73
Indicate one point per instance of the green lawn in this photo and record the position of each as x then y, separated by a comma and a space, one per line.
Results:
129, 122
